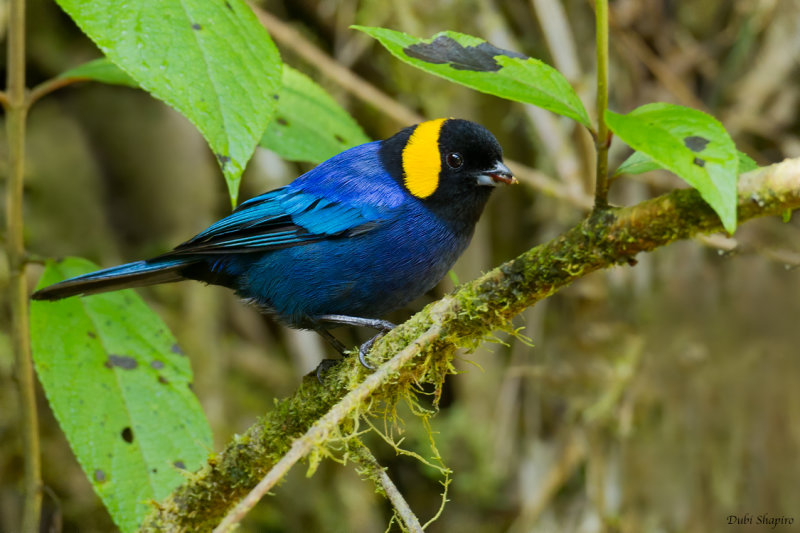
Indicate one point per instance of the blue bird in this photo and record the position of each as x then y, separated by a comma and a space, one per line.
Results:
360, 235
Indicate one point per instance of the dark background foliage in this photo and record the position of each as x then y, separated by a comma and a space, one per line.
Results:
659, 397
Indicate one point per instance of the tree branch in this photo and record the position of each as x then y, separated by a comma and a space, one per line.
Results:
371, 469
14, 102
424, 345
328, 424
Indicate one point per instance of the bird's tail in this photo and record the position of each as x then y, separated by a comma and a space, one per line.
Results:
136, 274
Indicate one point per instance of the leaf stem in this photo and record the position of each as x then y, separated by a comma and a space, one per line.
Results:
603, 138
53, 84
17, 107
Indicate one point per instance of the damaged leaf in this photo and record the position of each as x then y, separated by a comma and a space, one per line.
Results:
484, 67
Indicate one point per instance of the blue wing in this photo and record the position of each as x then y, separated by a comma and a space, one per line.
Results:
347, 195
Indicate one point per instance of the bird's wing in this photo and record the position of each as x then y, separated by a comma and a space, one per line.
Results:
345, 196
278, 219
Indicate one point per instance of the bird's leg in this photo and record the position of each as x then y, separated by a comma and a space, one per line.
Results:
375, 323
330, 339
383, 326
325, 364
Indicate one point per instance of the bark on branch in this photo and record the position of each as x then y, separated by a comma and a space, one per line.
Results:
421, 348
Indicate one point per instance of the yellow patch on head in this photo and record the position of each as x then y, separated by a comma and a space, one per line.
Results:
422, 161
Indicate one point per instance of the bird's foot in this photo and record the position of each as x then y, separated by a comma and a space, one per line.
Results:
324, 366
383, 326
364, 349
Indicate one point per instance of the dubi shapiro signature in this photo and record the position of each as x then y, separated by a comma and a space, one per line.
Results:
763, 519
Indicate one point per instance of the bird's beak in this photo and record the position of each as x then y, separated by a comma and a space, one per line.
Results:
499, 173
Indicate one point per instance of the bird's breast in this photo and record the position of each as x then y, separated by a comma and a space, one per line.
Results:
367, 275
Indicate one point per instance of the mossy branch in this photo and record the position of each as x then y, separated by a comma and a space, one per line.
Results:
420, 350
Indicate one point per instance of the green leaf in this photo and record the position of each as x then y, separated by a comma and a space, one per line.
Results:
639, 162
212, 61
482, 66
309, 125
101, 70
119, 386
690, 143
746, 163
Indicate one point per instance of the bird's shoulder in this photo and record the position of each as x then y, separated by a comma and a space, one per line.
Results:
355, 177
349, 194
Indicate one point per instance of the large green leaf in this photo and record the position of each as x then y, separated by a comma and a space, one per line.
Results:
120, 388
482, 66
210, 60
309, 125
688, 142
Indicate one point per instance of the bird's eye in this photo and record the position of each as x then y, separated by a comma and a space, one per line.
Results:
454, 160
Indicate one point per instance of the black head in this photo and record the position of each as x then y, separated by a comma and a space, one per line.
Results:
450, 165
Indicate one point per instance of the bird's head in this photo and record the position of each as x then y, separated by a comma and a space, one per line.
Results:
450, 165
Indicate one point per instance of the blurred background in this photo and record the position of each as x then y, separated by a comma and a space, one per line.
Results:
660, 397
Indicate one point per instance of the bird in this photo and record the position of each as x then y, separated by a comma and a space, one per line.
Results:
356, 237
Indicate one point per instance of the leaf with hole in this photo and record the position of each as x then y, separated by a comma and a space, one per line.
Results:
484, 67
120, 388
688, 142
212, 61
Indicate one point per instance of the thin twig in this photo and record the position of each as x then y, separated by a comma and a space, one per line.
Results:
324, 426
634, 45
558, 35
540, 181
374, 470
572, 455
569, 157
18, 290
291, 38
729, 245
602, 140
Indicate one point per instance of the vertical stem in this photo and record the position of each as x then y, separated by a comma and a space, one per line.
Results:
603, 138
373, 470
18, 292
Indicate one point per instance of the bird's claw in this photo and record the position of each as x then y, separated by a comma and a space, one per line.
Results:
363, 351
323, 367
383, 327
